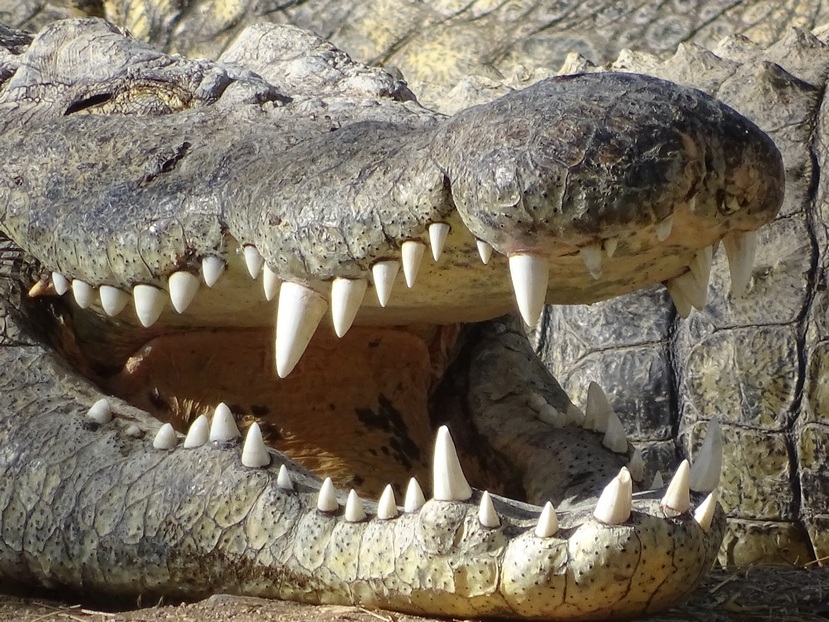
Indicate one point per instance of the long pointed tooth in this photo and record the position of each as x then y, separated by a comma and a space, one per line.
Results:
60, 283
597, 410
299, 313
487, 515
610, 245
449, 482
678, 495
223, 428
211, 269
327, 499
271, 283
692, 290
547, 522
530, 274
615, 502
701, 264
437, 238
663, 228
183, 288
637, 465
165, 438
657, 481
387, 507
149, 303
283, 479
705, 472
198, 433
614, 437
412, 256
100, 412
354, 511
83, 293
484, 250
346, 297
253, 261
113, 300
704, 514
414, 497
592, 258
254, 452
683, 306
384, 273
740, 249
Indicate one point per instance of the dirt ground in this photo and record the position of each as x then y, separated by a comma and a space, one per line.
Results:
779, 594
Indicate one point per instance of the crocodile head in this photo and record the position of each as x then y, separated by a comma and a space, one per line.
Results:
172, 186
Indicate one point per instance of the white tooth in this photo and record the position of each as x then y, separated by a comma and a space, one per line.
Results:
113, 300
597, 410
299, 313
253, 261
637, 466
412, 257
705, 472
692, 204
449, 482
271, 283
198, 433
692, 290
254, 452
133, 431
83, 293
354, 512
165, 438
100, 412
683, 307
575, 416
414, 497
149, 303
283, 479
384, 273
549, 414
484, 250
547, 522
346, 298
223, 428
536, 401
663, 229
437, 237
701, 264
732, 204
530, 274
487, 515
183, 287
327, 499
60, 283
657, 482
614, 437
387, 507
615, 502
211, 269
592, 258
609, 246
740, 249
704, 514
678, 495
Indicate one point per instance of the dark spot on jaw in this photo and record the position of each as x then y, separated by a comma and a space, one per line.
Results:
158, 402
259, 410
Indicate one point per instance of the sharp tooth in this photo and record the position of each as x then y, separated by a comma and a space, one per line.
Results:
529, 280
113, 300
701, 264
198, 433
487, 515
149, 303
592, 258
387, 507
614, 505
705, 472
536, 401
83, 293
100, 412
449, 482
271, 283
60, 283
437, 237
384, 273
547, 522
692, 290
183, 287
484, 250
412, 258
610, 245
597, 409
663, 229
254, 452
692, 204
637, 466
740, 249
211, 269
683, 307
678, 495
354, 512
165, 438
414, 497
549, 414
614, 437
704, 514
299, 313
223, 428
346, 298
575, 416
732, 204
253, 261
283, 479
657, 482
327, 500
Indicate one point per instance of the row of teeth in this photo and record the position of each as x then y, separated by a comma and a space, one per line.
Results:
449, 482
301, 308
